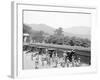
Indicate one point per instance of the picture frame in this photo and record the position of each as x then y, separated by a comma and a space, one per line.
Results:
17, 21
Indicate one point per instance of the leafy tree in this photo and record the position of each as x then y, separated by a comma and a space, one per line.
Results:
66, 40
37, 36
71, 43
58, 36
85, 43
26, 29
59, 32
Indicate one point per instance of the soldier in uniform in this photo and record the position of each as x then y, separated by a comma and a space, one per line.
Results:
36, 61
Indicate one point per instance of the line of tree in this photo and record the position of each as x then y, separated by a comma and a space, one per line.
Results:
57, 38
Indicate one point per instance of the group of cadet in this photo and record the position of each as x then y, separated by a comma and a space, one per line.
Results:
48, 58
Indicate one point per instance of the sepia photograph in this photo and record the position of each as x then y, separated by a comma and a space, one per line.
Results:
56, 39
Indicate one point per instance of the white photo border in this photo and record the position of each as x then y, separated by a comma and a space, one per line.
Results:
17, 31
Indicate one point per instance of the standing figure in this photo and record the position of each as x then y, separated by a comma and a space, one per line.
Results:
48, 59
65, 57
56, 60
36, 61
78, 62
73, 61
67, 61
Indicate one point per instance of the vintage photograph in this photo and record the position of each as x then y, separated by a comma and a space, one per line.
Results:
56, 39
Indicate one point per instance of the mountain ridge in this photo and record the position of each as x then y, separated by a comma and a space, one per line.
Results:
82, 32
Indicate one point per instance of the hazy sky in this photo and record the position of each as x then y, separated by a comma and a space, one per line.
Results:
55, 19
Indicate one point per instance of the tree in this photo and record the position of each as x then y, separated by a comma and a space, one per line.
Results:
71, 43
85, 43
26, 29
51, 39
59, 32
58, 37
37, 36
66, 40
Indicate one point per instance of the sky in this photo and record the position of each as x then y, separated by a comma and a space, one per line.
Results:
56, 19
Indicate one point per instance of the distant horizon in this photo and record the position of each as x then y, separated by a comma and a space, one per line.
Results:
57, 27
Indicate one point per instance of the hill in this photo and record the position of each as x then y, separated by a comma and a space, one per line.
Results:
42, 27
82, 32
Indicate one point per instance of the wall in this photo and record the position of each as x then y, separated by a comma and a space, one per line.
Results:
5, 41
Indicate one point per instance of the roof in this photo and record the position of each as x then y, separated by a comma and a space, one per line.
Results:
26, 34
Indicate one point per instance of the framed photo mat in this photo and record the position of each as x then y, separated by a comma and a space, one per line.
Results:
17, 33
